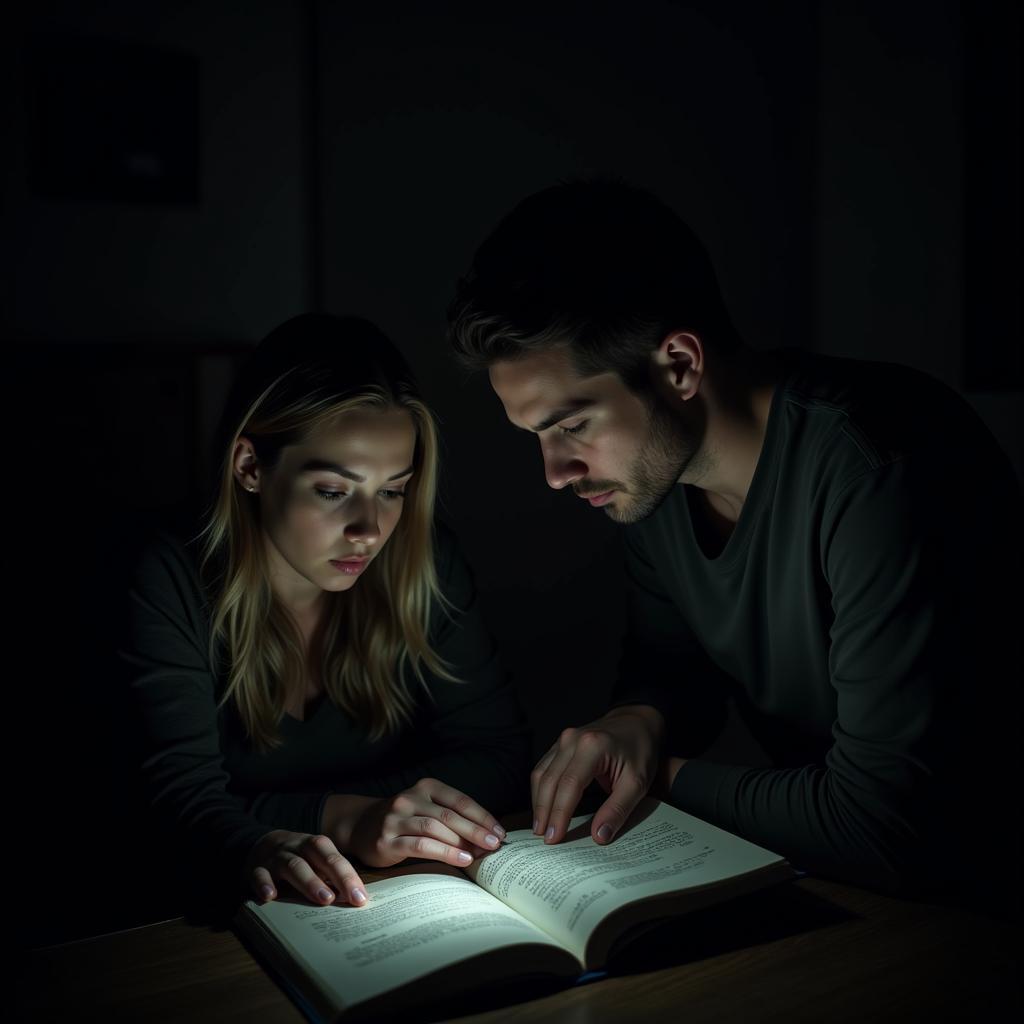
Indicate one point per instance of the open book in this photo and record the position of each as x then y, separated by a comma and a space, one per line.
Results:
527, 909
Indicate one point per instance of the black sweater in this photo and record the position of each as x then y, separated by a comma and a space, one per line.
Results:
218, 796
859, 616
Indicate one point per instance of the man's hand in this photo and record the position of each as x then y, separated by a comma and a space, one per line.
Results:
621, 750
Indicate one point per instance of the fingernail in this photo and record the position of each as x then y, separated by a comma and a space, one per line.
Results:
536, 826
358, 896
604, 833
550, 834
464, 858
267, 892
491, 841
325, 895
499, 832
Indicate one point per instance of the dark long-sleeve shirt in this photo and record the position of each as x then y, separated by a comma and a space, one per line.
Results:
858, 617
215, 793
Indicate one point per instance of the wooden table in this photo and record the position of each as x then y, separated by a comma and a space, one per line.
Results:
804, 951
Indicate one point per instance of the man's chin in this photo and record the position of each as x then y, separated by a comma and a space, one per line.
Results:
621, 510
625, 511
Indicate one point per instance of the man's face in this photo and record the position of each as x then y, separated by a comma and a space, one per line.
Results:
615, 449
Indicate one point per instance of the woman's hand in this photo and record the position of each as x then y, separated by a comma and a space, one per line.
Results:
431, 820
310, 864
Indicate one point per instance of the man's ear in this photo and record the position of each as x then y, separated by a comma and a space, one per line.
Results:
678, 365
245, 465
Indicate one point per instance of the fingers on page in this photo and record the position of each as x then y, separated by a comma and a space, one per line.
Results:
587, 756
263, 884
612, 814
545, 781
331, 868
464, 816
427, 848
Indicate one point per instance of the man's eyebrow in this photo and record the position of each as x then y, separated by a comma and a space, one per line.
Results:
320, 466
562, 413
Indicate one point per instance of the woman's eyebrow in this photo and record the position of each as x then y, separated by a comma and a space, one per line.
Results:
321, 466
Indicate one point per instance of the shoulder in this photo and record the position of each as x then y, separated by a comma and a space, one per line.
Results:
161, 552
165, 570
889, 450
844, 418
884, 410
454, 576
446, 548
166, 610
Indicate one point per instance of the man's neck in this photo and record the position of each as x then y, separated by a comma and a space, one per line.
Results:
738, 397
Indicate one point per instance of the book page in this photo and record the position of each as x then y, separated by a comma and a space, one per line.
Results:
411, 926
568, 888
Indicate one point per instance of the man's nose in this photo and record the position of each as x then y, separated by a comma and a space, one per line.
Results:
562, 468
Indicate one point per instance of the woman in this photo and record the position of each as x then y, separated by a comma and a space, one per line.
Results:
311, 672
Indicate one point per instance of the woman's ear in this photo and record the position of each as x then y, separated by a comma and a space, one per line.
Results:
245, 465
678, 365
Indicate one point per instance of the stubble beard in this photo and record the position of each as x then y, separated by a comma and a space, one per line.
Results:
669, 449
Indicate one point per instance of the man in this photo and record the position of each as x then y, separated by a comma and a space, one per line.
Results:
814, 537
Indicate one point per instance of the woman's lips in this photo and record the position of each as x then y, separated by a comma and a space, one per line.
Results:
350, 566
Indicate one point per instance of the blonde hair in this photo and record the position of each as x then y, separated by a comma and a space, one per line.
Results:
375, 636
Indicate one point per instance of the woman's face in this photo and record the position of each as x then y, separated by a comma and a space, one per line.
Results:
329, 505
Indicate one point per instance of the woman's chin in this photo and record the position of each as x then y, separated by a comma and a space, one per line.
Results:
340, 583
342, 577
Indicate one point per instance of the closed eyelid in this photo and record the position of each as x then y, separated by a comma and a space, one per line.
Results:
574, 428
329, 495
566, 412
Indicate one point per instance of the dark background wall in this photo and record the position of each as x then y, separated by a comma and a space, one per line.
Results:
852, 167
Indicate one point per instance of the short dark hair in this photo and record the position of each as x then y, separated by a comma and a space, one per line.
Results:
599, 266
